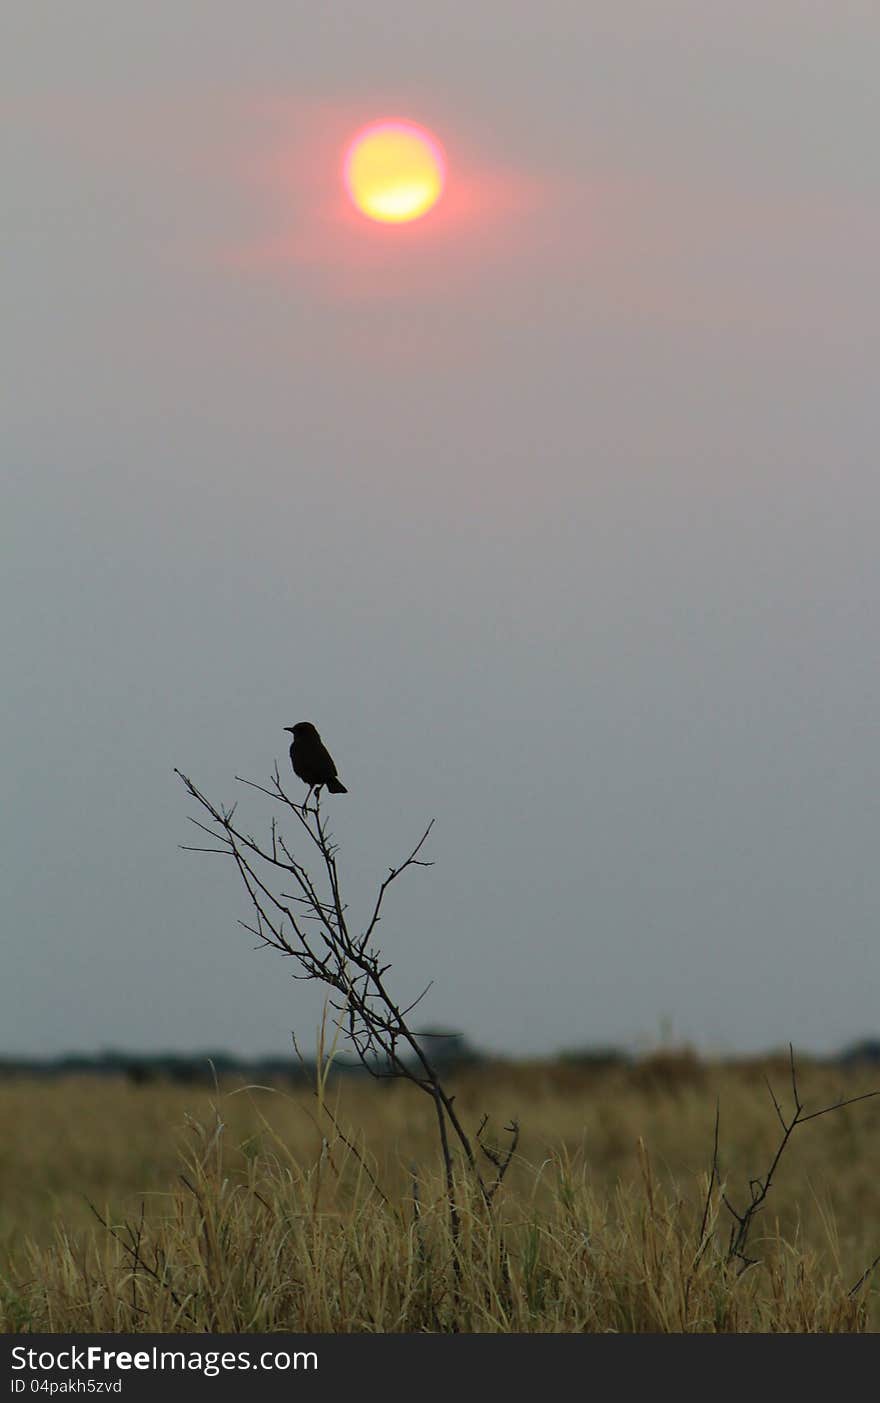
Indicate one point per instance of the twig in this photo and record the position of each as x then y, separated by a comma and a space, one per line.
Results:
137, 1259
759, 1188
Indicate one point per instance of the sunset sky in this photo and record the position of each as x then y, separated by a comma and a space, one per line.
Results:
556, 511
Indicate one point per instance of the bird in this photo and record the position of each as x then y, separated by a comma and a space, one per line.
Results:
311, 761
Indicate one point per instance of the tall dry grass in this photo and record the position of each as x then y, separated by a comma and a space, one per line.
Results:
262, 1210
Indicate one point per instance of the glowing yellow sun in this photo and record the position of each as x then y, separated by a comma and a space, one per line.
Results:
394, 171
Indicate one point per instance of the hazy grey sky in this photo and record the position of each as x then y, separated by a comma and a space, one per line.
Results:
557, 513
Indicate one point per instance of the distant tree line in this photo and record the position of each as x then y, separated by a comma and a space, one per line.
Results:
452, 1051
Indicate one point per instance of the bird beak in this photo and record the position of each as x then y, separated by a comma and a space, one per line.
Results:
289, 728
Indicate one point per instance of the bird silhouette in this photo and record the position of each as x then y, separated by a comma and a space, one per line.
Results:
311, 760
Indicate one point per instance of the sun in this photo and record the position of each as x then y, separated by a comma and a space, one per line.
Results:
394, 171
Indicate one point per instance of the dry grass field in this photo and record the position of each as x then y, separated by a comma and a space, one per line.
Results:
258, 1209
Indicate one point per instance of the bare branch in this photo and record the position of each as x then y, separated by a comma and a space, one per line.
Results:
374, 1023
760, 1187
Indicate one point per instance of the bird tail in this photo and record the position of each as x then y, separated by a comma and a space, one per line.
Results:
336, 787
